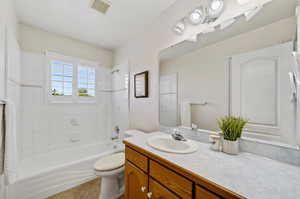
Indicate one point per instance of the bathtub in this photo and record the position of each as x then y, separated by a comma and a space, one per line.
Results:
45, 175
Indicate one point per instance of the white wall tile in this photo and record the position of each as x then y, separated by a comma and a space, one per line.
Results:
46, 126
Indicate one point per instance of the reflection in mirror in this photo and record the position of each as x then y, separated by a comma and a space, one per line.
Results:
241, 70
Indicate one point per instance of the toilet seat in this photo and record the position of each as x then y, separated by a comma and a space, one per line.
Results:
110, 162
110, 169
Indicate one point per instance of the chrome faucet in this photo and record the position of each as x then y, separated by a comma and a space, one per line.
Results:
176, 135
117, 131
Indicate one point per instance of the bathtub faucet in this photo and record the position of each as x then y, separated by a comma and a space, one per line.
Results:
117, 130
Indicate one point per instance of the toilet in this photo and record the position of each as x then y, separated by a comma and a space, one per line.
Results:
111, 170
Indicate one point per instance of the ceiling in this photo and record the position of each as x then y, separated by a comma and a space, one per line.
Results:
275, 11
124, 20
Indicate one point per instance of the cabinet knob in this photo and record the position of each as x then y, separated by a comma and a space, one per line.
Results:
143, 188
149, 195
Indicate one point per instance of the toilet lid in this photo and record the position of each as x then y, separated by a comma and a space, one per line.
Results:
110, 162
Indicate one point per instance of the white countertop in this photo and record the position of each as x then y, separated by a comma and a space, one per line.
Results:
248, 175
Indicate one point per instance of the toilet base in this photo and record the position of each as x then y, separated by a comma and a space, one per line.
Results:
109, 187
112, 184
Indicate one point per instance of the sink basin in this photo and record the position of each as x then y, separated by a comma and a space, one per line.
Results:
167, 144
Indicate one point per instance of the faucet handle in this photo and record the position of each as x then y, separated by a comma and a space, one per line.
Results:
117, 129
177, 135
117, 133
114, 138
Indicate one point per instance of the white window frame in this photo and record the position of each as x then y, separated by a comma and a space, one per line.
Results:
74, 98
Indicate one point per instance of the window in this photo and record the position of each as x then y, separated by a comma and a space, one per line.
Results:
71, 79
86, 81
61, 78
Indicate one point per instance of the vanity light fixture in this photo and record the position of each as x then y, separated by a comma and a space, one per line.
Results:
198, 16
215, 8
207, 14
179, 27
252, 13
227, 23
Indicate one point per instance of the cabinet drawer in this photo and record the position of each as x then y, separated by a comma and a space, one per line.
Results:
204, 194
176, 183
136, 158
160, 192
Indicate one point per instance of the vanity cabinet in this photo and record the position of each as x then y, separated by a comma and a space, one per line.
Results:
136, 177
159, 192
149, 176
202, 193
140, 186
136, 182
176, 183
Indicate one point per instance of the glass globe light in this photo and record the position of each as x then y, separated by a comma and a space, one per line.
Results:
198, 16
215, 8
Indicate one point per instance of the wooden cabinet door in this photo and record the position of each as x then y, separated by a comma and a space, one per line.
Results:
204, 194
136, 182
157, 191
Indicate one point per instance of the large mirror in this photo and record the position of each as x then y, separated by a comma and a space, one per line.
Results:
243, 69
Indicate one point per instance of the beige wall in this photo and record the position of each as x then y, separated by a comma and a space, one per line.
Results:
37, 40
8, 24
8, 16
202, 72
142, 53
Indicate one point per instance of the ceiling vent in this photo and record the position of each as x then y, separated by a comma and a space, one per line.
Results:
101, 5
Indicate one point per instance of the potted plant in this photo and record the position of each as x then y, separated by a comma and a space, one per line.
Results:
232, 128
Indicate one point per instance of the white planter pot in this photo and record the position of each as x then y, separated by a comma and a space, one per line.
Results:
231, 147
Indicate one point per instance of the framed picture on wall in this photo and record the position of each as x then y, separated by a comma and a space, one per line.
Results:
141, 85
